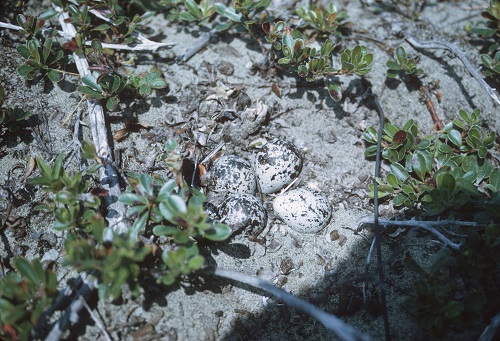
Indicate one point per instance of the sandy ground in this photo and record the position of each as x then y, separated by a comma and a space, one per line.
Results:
328, 135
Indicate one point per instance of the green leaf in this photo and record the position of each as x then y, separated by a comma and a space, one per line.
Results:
166, 190
399, 171
54, 75
102, 27
231, 14
157, 83
57, 169
138, 226
137, 210
114, 83
132, 199
446, 181
400, 55
112, 102
90, 93
176, 204
193, 8
467, 186
186, 16
26, 270
399, 199
392, 65
455, 137
23, 70
419, 166
163, 230
494, 180
47, 46
91, 82
88, 151
392, 180
334, 90
23, 51
33, 48
218, 232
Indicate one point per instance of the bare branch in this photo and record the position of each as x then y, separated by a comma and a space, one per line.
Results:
426, 225
331, 322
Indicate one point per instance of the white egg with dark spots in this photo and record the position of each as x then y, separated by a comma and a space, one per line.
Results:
244, 212
276, 165
304, 210
231, 174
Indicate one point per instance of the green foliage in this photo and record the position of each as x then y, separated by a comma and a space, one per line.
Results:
173, 213
492, 65
439, 302
356, 61
288, 47
201, 12
40, 60
11, 118
24, 295
30, 26
74, 207
109, 85
172, 156
176, 214
323, 20
437, 172
118, 29
241, 14
402, 63
114, 264
106, 88
472, 296
146, 83
490, 31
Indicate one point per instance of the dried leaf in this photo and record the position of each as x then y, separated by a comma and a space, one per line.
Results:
120, 134
30, 166
275, 88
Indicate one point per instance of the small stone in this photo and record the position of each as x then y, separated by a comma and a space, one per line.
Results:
286, 266
226, 68
334, 235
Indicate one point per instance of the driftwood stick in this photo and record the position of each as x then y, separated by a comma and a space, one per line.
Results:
344, 331
144, 45
434, 44
71, 315
108, 175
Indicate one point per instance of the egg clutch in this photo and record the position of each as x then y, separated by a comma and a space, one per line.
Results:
232, 184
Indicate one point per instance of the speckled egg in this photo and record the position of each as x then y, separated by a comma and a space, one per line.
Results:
244, 212
276, 165
304, 210
231, 174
